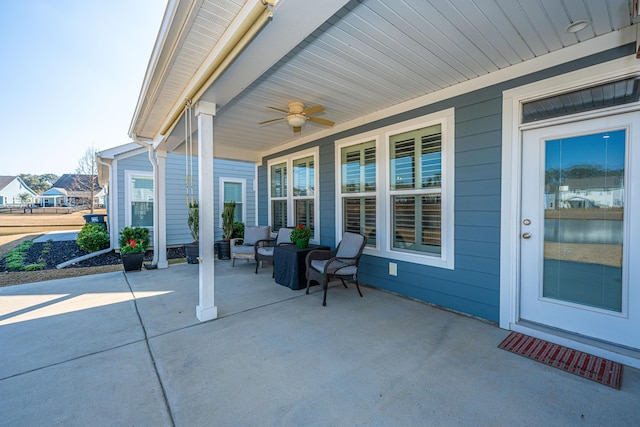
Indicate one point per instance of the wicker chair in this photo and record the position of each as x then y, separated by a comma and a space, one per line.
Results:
246, 247
323, 265
264, 252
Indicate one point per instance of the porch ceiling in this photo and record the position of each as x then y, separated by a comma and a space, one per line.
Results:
366, 57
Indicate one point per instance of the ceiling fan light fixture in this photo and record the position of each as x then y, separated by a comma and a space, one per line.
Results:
296, 120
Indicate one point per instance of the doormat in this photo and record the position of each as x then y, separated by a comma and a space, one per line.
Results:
585, 365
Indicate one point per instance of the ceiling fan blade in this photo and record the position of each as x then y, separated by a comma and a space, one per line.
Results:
313, 110
279, 109
297, 129
272, 120
321, 121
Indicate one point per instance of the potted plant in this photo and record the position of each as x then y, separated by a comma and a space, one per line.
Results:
134, 242
192, 250
301, 236
224, 249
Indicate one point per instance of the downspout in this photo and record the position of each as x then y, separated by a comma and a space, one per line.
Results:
112, 228
154, 166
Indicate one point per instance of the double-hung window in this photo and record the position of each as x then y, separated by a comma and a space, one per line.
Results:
395, 185
358, 189
415, 186
292, 191
139, 198
233, 190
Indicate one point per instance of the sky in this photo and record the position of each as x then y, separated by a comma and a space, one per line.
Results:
70, 75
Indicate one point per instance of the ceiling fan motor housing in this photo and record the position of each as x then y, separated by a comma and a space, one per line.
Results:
295, 118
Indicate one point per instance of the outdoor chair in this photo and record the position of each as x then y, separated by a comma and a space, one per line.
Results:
343, 263
265, 252
247, 246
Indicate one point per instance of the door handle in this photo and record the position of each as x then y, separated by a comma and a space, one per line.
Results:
526, 235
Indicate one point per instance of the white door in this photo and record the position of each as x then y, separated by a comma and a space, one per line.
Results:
580, 228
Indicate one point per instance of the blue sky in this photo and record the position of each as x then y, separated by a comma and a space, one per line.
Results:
70, 76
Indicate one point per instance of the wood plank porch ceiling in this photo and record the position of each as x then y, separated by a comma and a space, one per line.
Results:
374, 54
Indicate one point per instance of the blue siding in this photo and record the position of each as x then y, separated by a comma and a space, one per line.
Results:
473, 287
177, 210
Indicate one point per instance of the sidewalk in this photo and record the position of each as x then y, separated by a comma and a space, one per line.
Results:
58, 236
118, 349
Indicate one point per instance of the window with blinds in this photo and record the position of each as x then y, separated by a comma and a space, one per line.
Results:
279, 180
303, 177
292, 190
415, 166
358, 188
304, 213
278, 214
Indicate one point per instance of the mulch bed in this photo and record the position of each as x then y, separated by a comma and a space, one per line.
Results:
59, 252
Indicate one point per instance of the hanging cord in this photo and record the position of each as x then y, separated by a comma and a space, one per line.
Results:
193, 198
188, 158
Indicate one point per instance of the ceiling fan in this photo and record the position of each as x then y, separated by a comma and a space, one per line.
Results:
298, 115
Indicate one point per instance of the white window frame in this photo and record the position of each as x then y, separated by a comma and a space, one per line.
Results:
340, 196
221, 200
384, 249
315, 153
128, 190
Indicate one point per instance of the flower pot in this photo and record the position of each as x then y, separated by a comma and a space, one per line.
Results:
302, 243
192, 252
224, 249
132, 262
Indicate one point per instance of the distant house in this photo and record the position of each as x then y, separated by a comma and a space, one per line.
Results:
126, 173
11, 190
74, 190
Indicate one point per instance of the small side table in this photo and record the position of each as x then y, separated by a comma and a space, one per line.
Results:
289, 265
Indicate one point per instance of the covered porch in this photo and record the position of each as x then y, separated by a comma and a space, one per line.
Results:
127, 350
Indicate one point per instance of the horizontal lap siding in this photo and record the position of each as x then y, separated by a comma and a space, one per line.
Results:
232, 169
177, 210
473, 287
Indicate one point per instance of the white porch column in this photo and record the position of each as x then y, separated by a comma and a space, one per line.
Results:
161, 200
206, 309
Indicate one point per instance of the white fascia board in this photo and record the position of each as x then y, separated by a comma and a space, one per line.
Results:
171, 30
111, 153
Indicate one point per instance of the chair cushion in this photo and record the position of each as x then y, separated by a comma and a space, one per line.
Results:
242, 249
350, 245
284, 235
318, 264
266, 251
254, 233
337, 267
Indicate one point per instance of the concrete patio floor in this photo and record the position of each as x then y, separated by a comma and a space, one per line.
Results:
116, 349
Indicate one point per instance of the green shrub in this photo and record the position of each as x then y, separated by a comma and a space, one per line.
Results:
14, 259
139, 234
34, 267
93, 237
238, 230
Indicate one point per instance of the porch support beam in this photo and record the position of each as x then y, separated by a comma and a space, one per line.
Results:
206, 309
161, 197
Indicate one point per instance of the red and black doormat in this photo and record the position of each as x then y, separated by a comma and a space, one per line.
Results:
585, 365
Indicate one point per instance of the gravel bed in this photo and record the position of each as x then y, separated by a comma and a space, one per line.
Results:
58, 252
